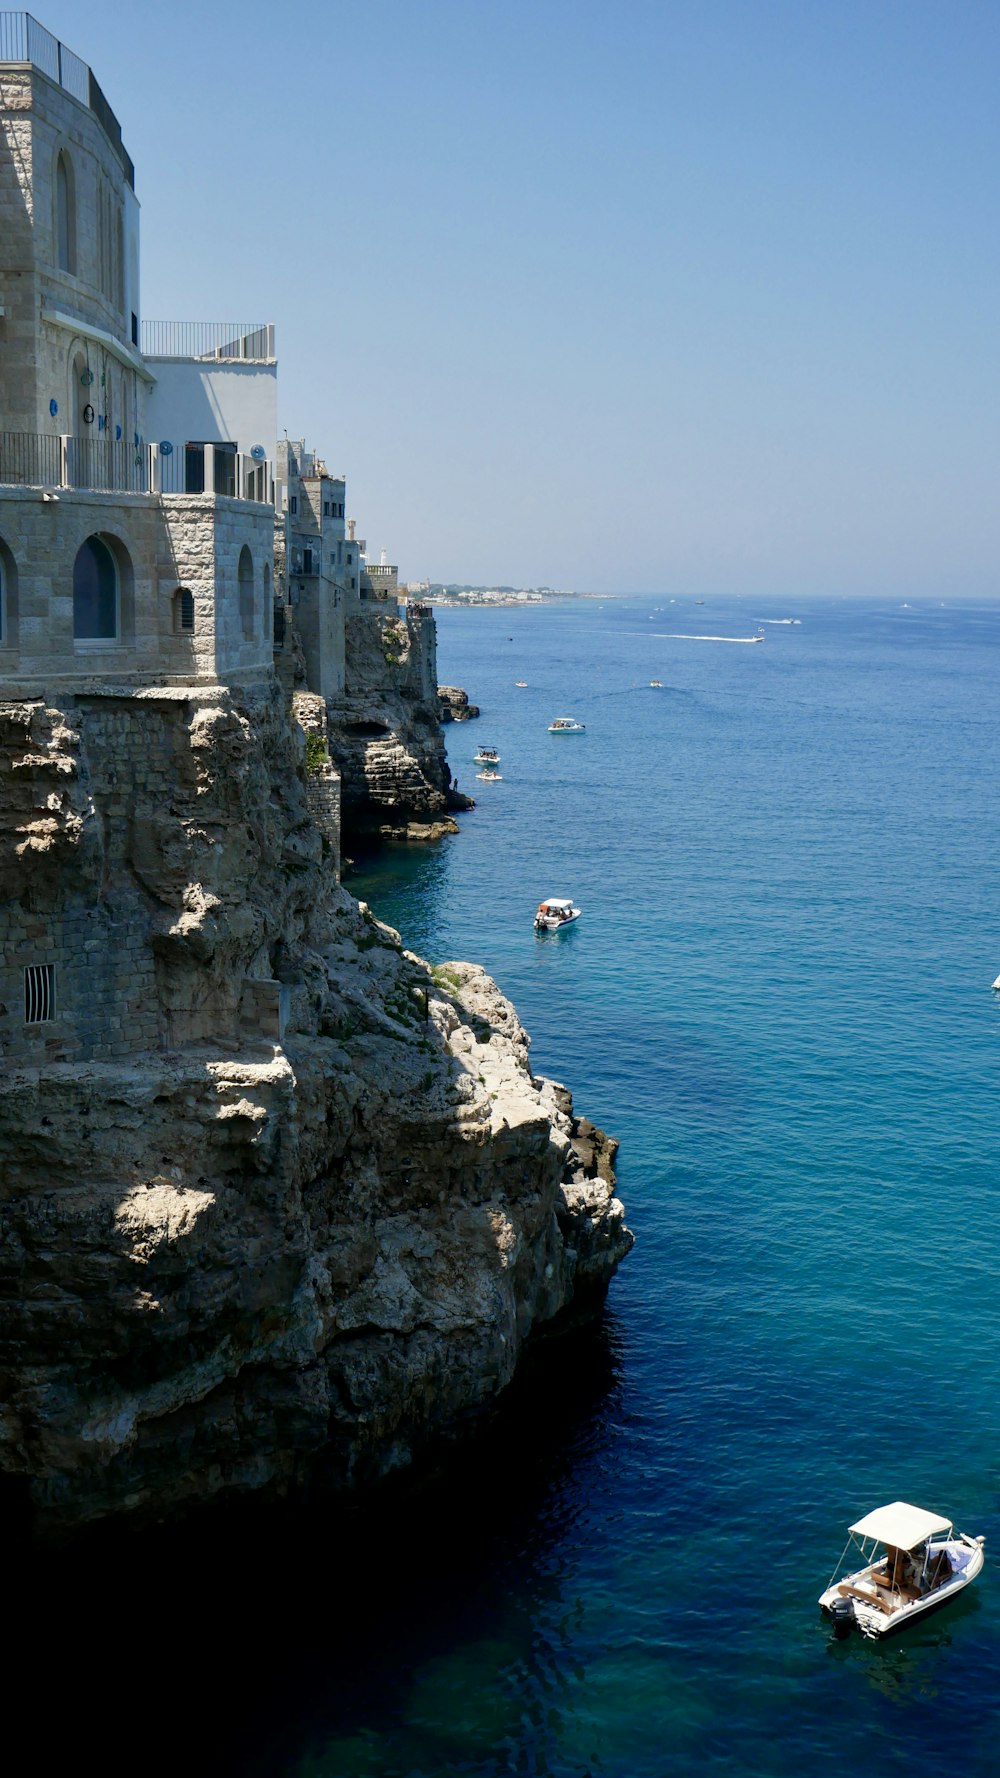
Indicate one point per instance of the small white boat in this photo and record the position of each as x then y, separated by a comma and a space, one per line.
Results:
924, 1564
657, 684
566, 725
521, 682
996, 984
489, 776
555, 912
487, 756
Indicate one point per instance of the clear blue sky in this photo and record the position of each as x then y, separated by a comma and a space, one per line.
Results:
673, 295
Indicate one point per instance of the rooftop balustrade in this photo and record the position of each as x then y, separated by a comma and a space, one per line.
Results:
23, 39
226, 341
116, 466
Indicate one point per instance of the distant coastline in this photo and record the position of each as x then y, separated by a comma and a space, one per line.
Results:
436, 593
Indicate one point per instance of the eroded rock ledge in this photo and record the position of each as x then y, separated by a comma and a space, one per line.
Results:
385, 734
228, 1258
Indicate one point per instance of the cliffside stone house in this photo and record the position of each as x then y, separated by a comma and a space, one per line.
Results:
160, 552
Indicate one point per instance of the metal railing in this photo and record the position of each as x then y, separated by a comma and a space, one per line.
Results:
27, 459
110, 465
23, 39
225, 340
115, 466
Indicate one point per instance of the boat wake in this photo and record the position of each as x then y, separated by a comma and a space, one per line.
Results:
781, 620
679, 636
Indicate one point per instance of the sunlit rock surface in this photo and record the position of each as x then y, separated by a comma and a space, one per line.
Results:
293, 1204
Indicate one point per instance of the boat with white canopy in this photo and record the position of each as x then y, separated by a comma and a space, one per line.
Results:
555, 912
922, 1564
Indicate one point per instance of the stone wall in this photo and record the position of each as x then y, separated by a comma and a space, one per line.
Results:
120, 867
161, 543
54, 865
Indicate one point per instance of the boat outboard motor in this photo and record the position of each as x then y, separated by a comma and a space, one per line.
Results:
842, 1613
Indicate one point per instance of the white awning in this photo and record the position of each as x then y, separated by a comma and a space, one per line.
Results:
901, 1525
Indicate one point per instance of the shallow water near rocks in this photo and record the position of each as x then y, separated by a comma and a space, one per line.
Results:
778, 998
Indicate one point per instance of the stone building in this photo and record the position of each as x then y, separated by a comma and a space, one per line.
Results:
131, 598
321, 570
159, 554
103, 572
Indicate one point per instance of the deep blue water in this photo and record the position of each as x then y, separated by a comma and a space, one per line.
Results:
778, 997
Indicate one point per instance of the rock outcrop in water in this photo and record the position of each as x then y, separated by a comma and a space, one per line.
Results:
385, 732
277, 1198
454, 704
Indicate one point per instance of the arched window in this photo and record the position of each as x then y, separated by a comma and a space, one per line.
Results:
183, 611
245, 577
95, 593
65, 214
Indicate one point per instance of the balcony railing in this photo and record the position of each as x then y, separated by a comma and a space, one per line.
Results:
114, 466
224, 340
28, 459
23, 39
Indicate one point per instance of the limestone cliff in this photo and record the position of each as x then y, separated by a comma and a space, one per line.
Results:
453, 704
385, 731
276, 1197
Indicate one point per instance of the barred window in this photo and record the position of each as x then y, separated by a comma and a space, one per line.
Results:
183, 609
39, 993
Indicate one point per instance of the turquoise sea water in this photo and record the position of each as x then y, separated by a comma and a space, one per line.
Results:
778, 997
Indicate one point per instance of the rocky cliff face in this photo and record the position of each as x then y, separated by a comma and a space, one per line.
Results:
304, 1212
385, 732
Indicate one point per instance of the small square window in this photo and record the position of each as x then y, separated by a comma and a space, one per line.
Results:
39, 993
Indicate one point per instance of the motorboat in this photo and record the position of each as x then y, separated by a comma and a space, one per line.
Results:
487, 756
489, 776
522, 683
916, 1562
657, 684
566, 725
554, 913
